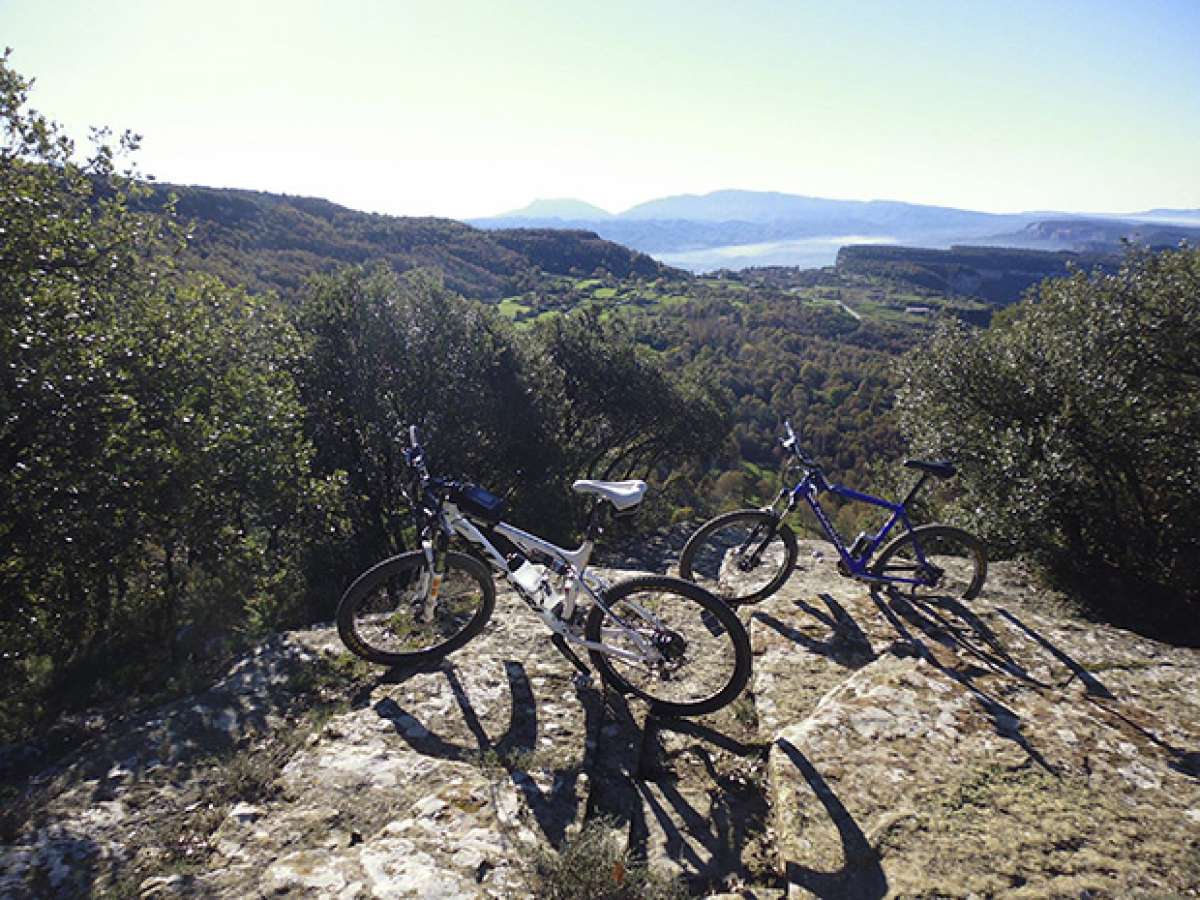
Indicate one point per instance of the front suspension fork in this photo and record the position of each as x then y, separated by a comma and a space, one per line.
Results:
434, 550
777, 519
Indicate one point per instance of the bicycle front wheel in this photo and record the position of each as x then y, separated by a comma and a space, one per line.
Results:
742, 556
954, 568
702, 648
384, 616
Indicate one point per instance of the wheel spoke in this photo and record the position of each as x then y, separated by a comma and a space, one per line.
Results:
696, 658
385, 615
733, 557
948, 563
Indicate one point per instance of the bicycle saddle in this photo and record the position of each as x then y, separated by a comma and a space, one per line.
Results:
938, 469
621, 494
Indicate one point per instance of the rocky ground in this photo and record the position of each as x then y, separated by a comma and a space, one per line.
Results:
884, 748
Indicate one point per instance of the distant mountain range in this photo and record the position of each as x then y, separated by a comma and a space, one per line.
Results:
574, 210
272, 241
735, 229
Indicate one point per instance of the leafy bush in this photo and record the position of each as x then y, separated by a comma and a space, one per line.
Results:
1076, 422
155, 472
520, 412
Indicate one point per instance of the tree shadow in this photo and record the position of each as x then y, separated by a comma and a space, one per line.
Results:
61, 863
174, 741
861, 876
1005, 721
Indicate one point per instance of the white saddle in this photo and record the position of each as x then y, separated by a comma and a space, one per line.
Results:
621, 494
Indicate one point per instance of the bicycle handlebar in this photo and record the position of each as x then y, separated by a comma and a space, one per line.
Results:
414, 455
791, 442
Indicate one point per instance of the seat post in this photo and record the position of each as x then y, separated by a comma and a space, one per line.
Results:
593, 529
916, 487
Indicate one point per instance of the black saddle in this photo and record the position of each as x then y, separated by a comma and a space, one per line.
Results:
940, 469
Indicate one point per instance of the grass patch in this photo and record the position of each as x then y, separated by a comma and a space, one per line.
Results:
596, 865
745, 712
512, 307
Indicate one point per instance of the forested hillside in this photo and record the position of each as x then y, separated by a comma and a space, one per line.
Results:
275, 242
999, 275
817, 346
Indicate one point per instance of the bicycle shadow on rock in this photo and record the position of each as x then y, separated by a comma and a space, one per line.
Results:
684, 789
1005, 721
679, 786
1098, 695
847, 645
1091, 684
926, 618
515, 751
862, 876
971, 635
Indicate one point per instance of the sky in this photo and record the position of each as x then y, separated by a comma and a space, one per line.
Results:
469, 108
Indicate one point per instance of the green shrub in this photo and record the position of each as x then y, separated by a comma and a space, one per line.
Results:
1075, 421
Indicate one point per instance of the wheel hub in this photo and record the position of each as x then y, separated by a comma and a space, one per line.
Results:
746, 563
671, 644
932, 575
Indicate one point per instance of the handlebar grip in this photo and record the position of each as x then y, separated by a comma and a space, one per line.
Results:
789, 442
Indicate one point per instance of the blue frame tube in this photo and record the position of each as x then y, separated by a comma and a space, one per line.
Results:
811, 487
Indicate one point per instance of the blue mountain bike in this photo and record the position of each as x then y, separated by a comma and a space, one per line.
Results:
746, 555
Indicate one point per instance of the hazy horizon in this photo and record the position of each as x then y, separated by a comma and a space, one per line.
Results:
477, 110
914, 201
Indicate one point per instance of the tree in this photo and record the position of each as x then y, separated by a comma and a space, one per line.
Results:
154, 473
618, 414
387, 351
1076, 421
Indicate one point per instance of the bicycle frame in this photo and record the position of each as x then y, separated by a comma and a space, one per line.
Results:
813, 485
570, 564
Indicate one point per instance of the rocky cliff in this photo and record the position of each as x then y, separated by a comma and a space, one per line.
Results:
887, 748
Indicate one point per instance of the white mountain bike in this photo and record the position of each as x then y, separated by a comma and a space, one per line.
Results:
664, 639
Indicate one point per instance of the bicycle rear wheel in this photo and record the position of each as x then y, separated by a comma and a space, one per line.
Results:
732, 556
379, 617
955, 562
705, 649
